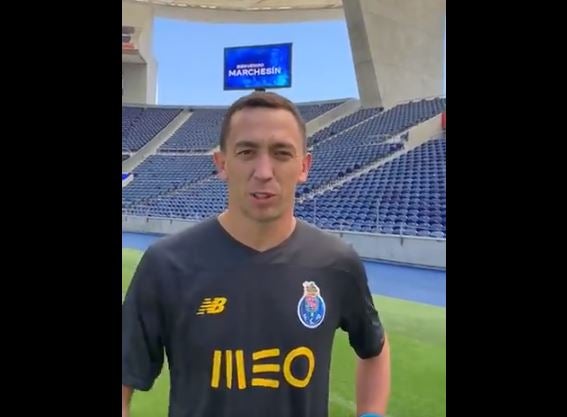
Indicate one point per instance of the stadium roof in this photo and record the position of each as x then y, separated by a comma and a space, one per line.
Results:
249, 11
250, 5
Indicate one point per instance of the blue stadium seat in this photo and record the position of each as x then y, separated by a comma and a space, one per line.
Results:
410, 188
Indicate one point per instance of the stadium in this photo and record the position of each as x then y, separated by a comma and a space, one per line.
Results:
378, 179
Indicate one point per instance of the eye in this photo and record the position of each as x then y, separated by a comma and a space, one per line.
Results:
245, 152
284, 154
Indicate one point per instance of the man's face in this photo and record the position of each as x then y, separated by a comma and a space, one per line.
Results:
263, 162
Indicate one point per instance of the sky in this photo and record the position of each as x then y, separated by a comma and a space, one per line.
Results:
190, 59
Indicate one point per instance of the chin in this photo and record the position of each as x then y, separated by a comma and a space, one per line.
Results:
266, 216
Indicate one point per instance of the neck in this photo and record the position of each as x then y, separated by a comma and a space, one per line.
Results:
258, 236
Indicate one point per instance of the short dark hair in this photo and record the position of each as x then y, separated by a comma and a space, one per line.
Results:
261, 99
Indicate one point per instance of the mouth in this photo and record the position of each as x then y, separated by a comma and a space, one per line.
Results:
260, 196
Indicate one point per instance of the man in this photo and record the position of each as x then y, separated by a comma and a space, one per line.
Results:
246, 304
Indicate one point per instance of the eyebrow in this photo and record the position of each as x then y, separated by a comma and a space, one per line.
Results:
281, 145
246, 144
254, 145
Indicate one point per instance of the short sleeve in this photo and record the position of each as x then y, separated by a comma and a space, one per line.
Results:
359, 316
142, 326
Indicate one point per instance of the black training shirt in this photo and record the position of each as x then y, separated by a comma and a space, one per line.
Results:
246, 333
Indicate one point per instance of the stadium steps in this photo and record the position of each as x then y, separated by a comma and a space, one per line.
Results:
152, 146
342, 132
415, 136
336, 113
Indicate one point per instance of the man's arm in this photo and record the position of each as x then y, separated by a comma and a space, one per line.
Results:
142, 329
367, 336
373, 383
126, 396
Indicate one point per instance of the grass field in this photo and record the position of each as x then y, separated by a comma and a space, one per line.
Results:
417, 338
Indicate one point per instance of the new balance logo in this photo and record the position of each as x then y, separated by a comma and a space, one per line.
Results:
212, 306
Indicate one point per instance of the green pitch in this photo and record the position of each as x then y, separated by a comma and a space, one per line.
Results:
417, 338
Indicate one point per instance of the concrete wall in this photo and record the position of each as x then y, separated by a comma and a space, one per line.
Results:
424, 131
139, 224
135, 80
141, 16
151, 80
415, 251
397, 48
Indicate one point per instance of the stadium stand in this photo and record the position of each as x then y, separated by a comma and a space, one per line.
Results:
372, 126
331, 164
342, 124
140, 125
161, 174
201, 131
311, 111
404, 196
196, 201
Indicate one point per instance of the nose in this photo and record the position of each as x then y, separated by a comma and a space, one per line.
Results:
263, 169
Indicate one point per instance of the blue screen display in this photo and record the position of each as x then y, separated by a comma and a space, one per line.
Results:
263, 66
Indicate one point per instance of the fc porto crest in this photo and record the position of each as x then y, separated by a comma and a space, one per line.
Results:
311, 307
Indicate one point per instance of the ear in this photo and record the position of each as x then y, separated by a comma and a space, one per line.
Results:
305, 167
219, 159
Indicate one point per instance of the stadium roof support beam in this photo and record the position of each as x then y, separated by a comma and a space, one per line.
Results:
397, 49
140, 77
